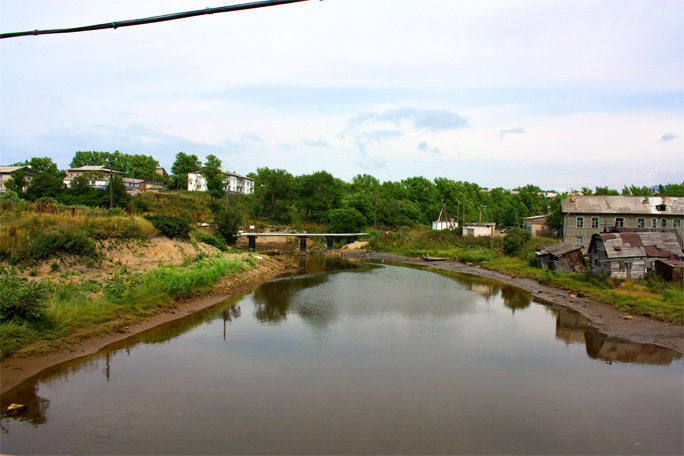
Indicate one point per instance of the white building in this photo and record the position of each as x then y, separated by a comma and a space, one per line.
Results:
236, 183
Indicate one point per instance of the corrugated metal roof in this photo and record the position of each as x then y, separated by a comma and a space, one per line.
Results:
581, 204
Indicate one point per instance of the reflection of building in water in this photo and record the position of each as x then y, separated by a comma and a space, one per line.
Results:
485, 289
572, 327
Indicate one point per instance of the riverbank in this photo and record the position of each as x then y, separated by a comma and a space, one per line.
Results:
15, 370
603, 317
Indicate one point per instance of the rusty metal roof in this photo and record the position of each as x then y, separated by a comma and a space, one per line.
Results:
649, 205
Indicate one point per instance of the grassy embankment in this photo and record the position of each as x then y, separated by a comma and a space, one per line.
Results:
77, 299
651, 297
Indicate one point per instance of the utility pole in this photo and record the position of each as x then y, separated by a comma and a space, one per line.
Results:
111, 183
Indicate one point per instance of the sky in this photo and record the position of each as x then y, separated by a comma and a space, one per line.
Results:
559, 94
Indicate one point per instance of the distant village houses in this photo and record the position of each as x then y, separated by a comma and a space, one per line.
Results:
584, 216
7, 171
236, 183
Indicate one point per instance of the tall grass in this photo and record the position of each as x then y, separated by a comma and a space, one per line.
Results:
75, 311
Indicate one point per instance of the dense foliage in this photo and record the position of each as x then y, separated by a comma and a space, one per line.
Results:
20, 298
171, 226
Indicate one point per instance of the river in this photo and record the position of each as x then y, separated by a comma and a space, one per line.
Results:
350, 358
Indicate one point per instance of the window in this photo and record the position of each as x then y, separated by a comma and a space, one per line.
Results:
663, 223
641, 223
619, 221
677, 223
654, 223
579, 240
594, 222
580, 222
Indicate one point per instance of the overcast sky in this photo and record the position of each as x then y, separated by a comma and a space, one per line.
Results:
560, 94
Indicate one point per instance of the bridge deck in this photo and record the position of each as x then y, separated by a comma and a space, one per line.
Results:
302, 238
305, 234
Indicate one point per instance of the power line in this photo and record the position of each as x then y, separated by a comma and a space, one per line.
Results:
150, 20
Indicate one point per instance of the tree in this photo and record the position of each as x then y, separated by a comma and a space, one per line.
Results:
215, 178
555, 220
274, 193
227, 224
44, 185
672, 190
184, 165
346, 220
118, 190
17, 182
317, 194
43, 165
605, 191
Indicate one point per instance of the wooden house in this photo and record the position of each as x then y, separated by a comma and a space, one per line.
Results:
631, 255
560, 257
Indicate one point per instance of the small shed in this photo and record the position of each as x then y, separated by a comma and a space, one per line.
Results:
670, 270
559, 257
537, 225
479, 229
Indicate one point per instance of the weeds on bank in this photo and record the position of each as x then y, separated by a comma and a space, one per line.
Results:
70, 311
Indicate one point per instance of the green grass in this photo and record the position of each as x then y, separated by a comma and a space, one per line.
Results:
75, 311
651, 297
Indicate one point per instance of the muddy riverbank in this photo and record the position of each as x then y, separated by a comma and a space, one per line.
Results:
603, 317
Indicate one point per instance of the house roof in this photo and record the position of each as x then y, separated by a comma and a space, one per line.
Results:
93, 168
557, 249
613, 204
662, 244
537, 217
11, 169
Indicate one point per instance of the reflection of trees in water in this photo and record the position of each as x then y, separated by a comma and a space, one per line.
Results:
515, 299
272, 300
25, 393
573, 327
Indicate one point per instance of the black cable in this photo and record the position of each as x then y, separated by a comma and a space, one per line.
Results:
150, 20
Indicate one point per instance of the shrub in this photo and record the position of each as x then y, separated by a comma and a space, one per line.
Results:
20, 298
227, 224
171, 225
346, 220
515, 240
212, 240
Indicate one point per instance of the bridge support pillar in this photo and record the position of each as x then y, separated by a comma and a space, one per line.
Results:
302, 244
252, 243
330, 242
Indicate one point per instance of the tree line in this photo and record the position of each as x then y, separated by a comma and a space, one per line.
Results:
283, 198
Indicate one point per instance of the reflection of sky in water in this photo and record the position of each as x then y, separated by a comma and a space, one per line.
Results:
378, 361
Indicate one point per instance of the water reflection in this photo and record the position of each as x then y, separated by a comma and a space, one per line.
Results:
574, 328
402, 354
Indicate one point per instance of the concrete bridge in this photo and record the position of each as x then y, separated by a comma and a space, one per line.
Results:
302, 238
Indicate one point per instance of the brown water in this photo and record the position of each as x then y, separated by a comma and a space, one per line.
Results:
348, 359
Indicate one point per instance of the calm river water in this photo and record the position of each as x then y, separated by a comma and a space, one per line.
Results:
358, 358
